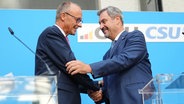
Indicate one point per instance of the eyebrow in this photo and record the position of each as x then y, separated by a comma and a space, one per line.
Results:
102, 21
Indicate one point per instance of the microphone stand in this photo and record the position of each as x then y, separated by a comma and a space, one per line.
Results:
12, 33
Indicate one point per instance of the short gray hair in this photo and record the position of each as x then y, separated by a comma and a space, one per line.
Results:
112, 12
63, 7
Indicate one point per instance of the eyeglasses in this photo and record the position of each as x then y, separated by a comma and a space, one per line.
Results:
78, 20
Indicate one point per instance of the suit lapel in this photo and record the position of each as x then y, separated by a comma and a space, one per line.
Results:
61, 35
118, 42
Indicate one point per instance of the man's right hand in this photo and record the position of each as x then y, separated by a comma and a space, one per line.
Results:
95, 95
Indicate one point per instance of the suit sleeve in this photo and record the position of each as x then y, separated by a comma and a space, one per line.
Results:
130, 51
59, 51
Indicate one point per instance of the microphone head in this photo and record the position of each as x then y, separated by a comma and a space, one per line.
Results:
11, 31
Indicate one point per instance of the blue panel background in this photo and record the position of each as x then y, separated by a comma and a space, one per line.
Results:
166, 57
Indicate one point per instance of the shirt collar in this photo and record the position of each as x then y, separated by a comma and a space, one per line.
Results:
61, 30
118, 35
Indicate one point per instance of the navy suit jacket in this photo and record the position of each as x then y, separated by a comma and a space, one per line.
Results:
125, 70
53, 49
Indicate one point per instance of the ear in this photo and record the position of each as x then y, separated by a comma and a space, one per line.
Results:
62, 16
118, 19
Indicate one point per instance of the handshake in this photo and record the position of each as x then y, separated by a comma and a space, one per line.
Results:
75, 67
96, 96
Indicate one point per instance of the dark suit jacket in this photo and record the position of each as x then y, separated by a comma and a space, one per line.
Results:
53, 49
125, 70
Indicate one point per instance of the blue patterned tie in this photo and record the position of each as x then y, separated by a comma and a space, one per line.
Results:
112, 45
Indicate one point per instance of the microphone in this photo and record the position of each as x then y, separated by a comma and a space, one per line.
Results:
48, 69
50, 73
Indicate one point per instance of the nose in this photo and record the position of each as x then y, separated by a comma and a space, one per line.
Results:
79, 24
101, 26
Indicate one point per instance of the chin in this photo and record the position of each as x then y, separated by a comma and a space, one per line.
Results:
106, 35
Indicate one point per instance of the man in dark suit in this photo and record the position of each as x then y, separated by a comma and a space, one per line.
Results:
125, 67
53, 52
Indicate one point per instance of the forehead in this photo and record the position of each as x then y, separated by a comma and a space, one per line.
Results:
76, 10
104, 15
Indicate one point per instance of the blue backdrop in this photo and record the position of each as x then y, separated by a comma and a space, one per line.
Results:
166, 57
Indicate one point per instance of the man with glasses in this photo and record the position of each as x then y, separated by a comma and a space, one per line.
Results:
54, 51
78, 20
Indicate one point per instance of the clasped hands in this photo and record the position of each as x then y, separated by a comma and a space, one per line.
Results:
76, 66
95, 95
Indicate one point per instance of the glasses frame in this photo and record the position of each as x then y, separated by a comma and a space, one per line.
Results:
78, 20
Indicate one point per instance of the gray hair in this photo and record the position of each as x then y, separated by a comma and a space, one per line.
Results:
63, 7
112, 12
